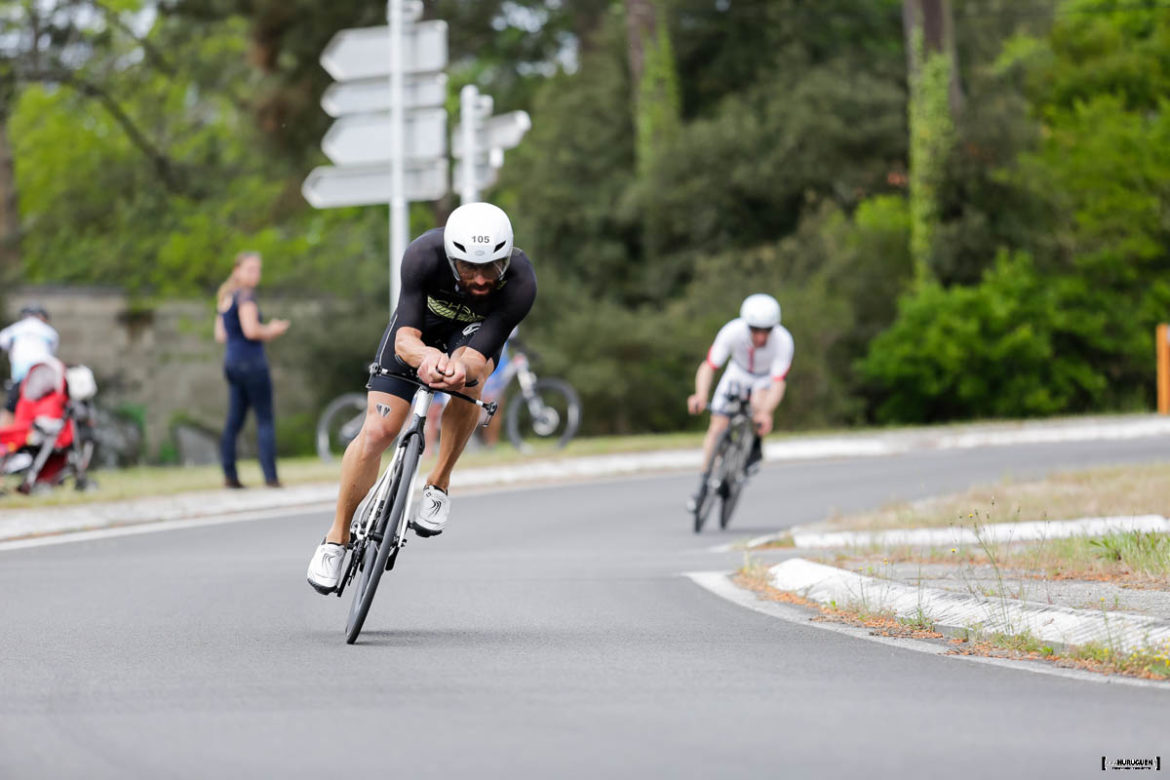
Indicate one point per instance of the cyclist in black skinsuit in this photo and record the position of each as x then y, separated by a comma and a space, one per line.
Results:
464, 289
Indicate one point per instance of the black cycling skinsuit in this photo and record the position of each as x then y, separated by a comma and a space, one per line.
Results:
432, 301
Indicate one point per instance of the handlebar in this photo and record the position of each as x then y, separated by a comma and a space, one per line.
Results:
489, 406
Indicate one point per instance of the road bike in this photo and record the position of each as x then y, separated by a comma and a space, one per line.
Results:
544, 408
377, 532
727, 473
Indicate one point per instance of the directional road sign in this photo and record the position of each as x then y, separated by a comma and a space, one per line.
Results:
364, 138
499, 132
364, 52
486, 174
367, 185
354, 97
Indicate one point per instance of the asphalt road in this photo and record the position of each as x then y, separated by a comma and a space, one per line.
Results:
549, 633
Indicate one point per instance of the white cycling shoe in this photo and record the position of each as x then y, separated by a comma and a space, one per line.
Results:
432, 513
326, 566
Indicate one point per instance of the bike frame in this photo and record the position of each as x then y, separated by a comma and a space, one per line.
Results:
385, 500
419, 406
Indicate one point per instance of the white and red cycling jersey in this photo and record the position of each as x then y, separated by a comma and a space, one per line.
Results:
751, 369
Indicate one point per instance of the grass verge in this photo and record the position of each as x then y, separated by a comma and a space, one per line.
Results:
1150, 663
152, 481
1120, 490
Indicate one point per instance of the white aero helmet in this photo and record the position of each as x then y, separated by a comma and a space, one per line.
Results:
478, 233
760, 311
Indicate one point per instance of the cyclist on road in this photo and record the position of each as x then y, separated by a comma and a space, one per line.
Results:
761, 350
28, 341
464, 288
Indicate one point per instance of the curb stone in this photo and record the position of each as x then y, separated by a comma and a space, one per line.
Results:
955, 614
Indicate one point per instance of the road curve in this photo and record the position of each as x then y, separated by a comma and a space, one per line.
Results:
549, 633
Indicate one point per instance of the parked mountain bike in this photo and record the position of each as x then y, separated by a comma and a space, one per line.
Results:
339, 424
542, 409
378, 529
727, 473
547, 409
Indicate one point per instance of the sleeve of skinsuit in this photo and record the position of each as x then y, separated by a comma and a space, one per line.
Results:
786, 349
6, 338
56, 342
412, 297
721, 349
520, 294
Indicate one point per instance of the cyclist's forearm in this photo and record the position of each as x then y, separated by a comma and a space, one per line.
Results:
475, 362
703, 380
409, 346
773, 396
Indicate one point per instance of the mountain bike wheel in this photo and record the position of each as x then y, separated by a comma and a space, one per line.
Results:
377, 553
339, 424
552, 414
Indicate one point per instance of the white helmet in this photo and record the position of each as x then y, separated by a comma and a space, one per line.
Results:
760, 311
478, 233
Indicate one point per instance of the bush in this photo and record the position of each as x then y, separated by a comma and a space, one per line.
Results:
1002, 348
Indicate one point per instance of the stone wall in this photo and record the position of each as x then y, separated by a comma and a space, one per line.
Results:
164, 358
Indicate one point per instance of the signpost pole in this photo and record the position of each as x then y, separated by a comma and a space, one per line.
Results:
398, 207
468, 109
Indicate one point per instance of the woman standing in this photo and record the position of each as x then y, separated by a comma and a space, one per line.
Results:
237, 323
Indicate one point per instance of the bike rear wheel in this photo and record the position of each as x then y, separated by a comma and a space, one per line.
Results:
552, 414
383, 543
339, 423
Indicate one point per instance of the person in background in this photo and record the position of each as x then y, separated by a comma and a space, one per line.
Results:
29, 340
239, 325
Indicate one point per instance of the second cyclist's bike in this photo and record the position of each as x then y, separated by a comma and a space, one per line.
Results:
378, 530
728, 471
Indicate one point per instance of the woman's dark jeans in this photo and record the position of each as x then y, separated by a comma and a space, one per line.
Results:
249, 384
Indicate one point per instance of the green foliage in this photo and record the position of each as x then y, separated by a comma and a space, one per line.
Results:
995, 350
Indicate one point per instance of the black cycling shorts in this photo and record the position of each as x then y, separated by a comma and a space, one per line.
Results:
445, 336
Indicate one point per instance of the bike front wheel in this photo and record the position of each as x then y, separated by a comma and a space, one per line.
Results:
339, 424
383, 543
734, 476
551, 413
713, 482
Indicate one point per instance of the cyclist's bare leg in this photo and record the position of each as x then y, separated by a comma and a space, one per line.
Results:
459, 421
718, 425
363, 456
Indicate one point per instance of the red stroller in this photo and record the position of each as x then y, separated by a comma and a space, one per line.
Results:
49, 441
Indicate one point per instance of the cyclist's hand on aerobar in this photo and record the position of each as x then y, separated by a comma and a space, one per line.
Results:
442, 372
763, 423
434, 367
696, 404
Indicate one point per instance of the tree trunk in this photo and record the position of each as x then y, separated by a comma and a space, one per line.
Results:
640, 28
936, 23
9, 211
935, 100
